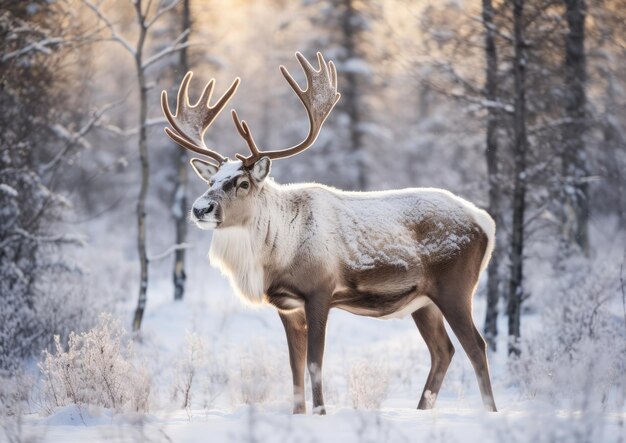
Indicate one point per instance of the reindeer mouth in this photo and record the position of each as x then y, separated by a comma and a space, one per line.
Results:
207, 225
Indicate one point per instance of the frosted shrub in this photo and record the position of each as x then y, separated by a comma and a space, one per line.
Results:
215, 381
15, 392
198, 370
368, 383
258, 373
578, 355
96, 369
189, 367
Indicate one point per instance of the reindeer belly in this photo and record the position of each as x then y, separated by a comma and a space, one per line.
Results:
382, 292
380, 305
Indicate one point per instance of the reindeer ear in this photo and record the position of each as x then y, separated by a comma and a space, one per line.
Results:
261, 169
204, 169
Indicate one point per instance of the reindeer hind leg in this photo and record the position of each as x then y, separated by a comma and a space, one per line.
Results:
429, 321
458, 313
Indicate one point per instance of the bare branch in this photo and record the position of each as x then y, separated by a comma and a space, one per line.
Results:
114, 35
61, 238
40, 46
160, 12
471, 99
77, 137
550, 125
175, 46
492, 27
458, 78
146, 11
170, 251
157, 121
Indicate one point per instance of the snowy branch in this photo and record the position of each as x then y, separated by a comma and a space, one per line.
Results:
160, 12
493, 28
175, 46
73, 138
550, 125
40, 46
170, 251
157, 121
21, 233
474, 100
114, 35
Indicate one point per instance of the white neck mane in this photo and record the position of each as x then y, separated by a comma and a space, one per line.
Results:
238, 252
233, 251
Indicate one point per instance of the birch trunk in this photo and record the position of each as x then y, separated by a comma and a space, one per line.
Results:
145, 171
179, 207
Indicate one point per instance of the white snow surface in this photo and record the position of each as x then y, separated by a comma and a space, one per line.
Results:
241, 339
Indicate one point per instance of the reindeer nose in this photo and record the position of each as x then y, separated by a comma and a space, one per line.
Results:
200, 212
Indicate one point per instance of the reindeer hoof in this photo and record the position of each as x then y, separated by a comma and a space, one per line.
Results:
319, 410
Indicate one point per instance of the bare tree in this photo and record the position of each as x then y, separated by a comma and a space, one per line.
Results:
574, 159
145, 19
349, 29
179, 206
346, 25
520, 147
491, 153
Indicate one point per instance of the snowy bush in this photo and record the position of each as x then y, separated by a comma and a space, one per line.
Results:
15, 393
259, 373
578, 355
368, 383
15, 401
198, 371
214, 383
188, 368
96, 369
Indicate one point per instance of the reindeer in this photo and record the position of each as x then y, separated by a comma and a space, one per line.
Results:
307, 248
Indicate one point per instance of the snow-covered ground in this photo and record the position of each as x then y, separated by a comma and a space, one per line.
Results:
242, 358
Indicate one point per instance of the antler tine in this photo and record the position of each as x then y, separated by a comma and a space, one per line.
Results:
246, 134
182, 99
318, 99
323, 65
191, 121
333, 74
206, 95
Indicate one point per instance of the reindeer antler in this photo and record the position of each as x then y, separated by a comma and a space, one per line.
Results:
191, 122
318, 99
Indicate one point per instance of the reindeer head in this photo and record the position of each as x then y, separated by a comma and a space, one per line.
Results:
233, 184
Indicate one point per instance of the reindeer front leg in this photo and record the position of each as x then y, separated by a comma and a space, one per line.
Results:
316, 313
296, 330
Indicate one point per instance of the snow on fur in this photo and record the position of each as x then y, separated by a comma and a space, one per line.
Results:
360, 229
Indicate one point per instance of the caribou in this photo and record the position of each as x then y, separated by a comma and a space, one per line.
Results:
307, 248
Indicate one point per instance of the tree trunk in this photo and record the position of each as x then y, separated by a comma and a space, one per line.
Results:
491, 153
520, 143
179, 207
145, 173
350, 93
614, 140
576, 202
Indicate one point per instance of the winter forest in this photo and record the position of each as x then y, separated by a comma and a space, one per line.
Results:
115, 327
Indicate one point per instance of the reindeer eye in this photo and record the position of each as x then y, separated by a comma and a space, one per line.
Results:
244, 185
